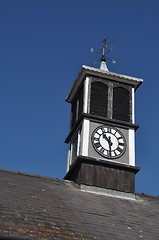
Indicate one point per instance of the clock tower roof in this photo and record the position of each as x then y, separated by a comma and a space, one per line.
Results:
91, 71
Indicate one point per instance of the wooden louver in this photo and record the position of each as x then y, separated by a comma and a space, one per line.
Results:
80, 102
99, 99
74, 112
121, 104
77, 107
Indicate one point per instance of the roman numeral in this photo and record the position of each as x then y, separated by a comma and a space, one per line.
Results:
102, 150
119, 149
95, 139
97, 145
109, 154
115, 132
119, 138
115, 153
103, 130
121, 144
109, 129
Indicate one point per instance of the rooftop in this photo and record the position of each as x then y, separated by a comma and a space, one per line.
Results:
86, 71
32, 206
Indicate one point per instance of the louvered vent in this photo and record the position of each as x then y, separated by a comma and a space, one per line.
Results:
99, 99
74, 112
77, 107
121, 104
74, 147
80, 104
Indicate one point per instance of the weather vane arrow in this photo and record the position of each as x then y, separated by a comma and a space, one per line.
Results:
104, 53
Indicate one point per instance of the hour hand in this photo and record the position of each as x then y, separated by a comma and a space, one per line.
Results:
105, 137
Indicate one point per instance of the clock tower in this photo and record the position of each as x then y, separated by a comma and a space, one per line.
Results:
102, 129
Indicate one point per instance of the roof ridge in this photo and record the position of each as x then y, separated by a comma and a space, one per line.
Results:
29, 174
62, 180
113, 73
146, 195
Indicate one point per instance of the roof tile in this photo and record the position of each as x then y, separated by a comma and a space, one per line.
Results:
38, 207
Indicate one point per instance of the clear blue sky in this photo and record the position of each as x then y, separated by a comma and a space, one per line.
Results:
43, 44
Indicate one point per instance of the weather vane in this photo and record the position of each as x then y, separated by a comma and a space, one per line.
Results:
103, 52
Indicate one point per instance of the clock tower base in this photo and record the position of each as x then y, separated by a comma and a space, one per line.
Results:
104, 174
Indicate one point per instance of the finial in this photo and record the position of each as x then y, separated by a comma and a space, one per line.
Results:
103, 65
102, 60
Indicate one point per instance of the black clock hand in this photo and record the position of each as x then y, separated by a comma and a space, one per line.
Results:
110, 144
105, 137
108, 140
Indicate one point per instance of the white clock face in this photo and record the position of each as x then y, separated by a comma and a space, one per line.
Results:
109, 142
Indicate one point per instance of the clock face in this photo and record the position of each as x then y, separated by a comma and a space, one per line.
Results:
109, 142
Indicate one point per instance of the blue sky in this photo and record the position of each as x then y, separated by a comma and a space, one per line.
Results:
43, 44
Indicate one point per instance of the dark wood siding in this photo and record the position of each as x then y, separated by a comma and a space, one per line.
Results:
103, 174
99, 99
121, 104
105, 177
77, 106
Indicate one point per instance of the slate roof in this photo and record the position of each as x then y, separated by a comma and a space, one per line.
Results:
35, 207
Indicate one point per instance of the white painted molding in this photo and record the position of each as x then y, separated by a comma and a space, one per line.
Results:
68, 160
78, 142
133, 105
132, 147
85, 137
86, 87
